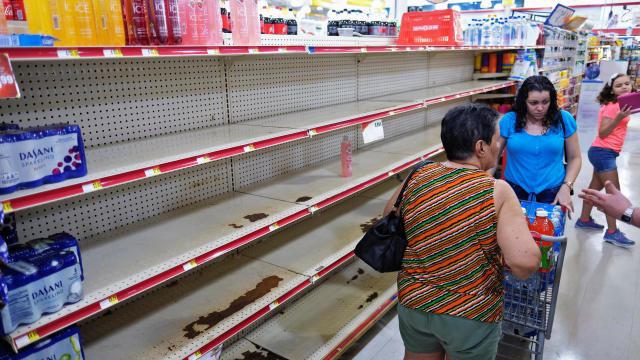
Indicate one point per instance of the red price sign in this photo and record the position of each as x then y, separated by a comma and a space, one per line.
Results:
8, 83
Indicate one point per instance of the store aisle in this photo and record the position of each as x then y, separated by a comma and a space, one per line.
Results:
598, 314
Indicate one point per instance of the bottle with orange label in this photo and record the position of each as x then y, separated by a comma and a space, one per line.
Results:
543, 226
53, 17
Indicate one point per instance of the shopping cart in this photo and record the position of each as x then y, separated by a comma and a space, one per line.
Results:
530, 305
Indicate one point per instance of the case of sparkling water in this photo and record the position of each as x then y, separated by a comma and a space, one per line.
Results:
65, 345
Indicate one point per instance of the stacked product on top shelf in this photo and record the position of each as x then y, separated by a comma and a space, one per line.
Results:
262, 136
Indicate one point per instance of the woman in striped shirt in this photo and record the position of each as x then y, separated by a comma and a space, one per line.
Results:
461, 224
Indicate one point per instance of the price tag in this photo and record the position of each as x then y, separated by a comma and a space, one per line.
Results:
203, 159
112, 300
390, 173
314, 278
67, 54
8, 84
190, 265
27, 339
149, 52
312, 132
394, 49
372, 131
282, 49
152, 172
213, 51
6, 207
249, 148
274, 226
112, 52
364, 50
92, 186
313, 208
254, 50
195, 355
392, 113
273, 305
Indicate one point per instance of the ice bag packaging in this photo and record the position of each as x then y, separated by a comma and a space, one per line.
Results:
59, 242
65, 345
40, 285
35, 156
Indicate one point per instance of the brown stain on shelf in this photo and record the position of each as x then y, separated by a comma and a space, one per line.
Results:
368, 225
201, 182
256, 217
353, 278
360, 307
260, 355
372, 296
236, 226
303, 198
209, 321
360, 271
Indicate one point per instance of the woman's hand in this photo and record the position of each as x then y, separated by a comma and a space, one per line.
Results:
563, 197
623, 113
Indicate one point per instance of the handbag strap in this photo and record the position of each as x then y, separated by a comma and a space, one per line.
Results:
415, 169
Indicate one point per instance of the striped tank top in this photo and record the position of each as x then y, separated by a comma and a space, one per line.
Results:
452, 264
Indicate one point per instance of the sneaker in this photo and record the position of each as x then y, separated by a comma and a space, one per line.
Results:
590, 224
617, 238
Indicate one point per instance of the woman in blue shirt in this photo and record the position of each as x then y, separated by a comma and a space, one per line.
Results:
537, 135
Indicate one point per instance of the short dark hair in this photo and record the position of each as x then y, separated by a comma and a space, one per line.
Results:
606, 95
536, 83
464, 125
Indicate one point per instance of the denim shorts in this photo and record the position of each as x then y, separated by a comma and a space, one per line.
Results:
602, 159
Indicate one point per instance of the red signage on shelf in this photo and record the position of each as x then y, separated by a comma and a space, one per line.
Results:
8, 83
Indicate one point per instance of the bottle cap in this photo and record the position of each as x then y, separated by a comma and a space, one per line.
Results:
524, 211
541, 213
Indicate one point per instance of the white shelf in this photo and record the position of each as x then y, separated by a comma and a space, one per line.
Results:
113, 263
493, 96
478, 76
294, 255
442, 91
313, 326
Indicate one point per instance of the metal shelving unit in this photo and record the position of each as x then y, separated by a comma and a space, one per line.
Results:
193, 155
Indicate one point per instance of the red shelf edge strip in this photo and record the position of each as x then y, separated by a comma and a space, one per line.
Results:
383, 308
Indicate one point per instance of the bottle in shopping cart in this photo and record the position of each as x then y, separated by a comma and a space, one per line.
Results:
543, 226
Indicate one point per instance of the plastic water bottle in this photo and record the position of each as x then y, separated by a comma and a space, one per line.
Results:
466, 35
496, 33
486, 33
473, 34
524, 30
506, 33
478, 39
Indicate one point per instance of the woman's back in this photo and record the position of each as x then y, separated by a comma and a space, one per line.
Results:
452, 263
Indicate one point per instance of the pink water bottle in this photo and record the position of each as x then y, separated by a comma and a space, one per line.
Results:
239, 26
187, 10
346, 157
253, 22
158, 27
173, 21
140, 23
209, 23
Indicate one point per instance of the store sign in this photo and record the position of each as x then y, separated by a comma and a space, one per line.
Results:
8, 83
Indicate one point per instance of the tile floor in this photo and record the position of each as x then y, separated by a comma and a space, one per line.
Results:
598, 311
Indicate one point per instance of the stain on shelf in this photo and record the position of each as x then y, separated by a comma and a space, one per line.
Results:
205, 323
236, 226
303, 198
372, 296
256, 217
369, 224
261, 355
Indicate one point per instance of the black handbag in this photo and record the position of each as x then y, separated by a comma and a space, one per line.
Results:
383, 246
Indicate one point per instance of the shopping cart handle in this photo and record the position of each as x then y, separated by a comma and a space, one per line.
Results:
547, 238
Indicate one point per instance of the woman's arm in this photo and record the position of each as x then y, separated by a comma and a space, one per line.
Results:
392, 201
608, 124
574, 163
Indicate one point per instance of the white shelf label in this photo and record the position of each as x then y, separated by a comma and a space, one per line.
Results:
314, 278
372, 131
313, 208
91, 186
152, 172
195, 355
190, 265
390, 173
213, 51
249, 148
67, 54
253, 51
112, 52
312, 132
149, 52
273, 305
274, 226
27, 339
282, 49
202, 159
112, 300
